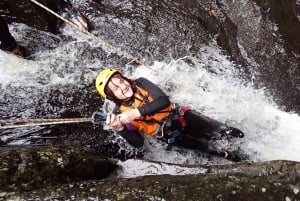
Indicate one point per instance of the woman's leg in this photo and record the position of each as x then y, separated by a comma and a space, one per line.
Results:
202, 143
188, 141
198, 143
198, 124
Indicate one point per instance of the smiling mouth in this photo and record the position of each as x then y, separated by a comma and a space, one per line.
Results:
126, 89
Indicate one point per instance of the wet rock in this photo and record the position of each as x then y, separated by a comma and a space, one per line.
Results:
29, 13
26, 168
268, 38
276, 180
286, 15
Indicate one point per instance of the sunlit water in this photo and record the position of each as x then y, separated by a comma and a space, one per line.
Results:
209, 83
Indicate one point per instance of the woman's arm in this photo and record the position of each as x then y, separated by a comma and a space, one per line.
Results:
160, 99
127, 131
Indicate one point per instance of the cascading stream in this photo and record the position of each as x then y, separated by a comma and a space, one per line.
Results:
58, 82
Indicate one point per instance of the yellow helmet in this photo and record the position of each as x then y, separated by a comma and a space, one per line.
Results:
102, 80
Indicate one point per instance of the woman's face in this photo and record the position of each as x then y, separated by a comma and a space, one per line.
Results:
120, 87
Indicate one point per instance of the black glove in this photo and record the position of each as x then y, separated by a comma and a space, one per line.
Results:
99, 118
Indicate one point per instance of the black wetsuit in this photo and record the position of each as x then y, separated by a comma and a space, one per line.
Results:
7, 41
196, 133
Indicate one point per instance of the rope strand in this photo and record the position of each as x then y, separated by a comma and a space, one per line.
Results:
97, 38
41, 122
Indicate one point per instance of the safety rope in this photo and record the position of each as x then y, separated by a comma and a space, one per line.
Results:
41, 122
97, 38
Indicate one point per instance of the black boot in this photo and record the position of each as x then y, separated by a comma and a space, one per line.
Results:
233, 132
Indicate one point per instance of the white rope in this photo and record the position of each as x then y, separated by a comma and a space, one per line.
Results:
41, 122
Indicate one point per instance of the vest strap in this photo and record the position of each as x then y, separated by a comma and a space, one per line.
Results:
181, 111
177, 113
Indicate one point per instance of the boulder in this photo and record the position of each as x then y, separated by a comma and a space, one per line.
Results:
31, 167
274, 180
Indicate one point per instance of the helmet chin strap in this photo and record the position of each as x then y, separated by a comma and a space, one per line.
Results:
127, 99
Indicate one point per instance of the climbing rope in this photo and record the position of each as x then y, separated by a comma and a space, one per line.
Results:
40, 122
97, 38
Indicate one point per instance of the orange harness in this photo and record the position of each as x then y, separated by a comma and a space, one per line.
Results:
149, 124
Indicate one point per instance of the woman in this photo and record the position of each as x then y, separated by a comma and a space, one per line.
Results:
143, 108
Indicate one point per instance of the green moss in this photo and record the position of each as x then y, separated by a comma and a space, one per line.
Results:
26, 177
229, 184
121, 196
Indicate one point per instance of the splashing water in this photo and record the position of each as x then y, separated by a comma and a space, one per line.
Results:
209, 83
212, 85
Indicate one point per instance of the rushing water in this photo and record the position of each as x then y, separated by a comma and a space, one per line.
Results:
58, 80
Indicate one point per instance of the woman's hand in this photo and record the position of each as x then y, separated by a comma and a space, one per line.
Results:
113, 121
129, 116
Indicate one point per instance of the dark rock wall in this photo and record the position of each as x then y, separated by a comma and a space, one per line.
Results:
27, 168
274, 180
267, 34
29, 13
